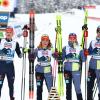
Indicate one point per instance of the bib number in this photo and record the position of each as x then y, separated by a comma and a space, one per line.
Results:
75, 66
98, 64
47, 69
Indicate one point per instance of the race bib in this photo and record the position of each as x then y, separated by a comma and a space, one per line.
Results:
98, 64
47, 69
75, 66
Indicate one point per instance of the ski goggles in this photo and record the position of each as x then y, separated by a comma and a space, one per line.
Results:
72, 37
9, 30
98, 30
98, 35
45, 38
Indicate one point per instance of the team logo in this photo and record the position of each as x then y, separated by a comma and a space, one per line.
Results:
3, 17
97, 45
72, 50
7, 45
45, 53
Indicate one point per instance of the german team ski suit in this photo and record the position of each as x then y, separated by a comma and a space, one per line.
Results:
73, 58
7, 51
43, 70
94, 68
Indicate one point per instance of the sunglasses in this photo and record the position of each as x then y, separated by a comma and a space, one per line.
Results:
9, 30
72, 37
98, 31
45, 38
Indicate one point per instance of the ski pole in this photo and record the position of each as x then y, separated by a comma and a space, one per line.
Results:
86, 62
25, 35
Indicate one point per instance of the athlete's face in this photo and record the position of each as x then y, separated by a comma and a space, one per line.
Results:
98, 34
45, 43
72, 39
9, 33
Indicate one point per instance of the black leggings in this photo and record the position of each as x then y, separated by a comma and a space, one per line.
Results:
7, 69
68, 79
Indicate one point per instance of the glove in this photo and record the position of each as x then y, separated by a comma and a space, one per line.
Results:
25, 27
31, 57
86, 52
56, 54
84, 27
25, 50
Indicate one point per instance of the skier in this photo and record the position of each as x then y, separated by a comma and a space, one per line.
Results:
73, 57
43, 68
7, 50
94, 65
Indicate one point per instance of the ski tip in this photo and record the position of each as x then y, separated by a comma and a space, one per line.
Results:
31, 13
89, 7
31, 94
58, 17
94, 18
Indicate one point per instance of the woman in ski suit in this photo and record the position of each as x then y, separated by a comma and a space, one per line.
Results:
73, 57
94, 66
43, 68
8, 47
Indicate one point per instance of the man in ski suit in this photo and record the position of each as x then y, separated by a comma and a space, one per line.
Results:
43, 68
73, 57
7, 49
94, 65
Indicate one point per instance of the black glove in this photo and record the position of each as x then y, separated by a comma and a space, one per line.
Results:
84, 27
25, 27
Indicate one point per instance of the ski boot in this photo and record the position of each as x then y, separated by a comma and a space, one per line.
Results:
79, 97
90, 96
12, 98
68, 96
